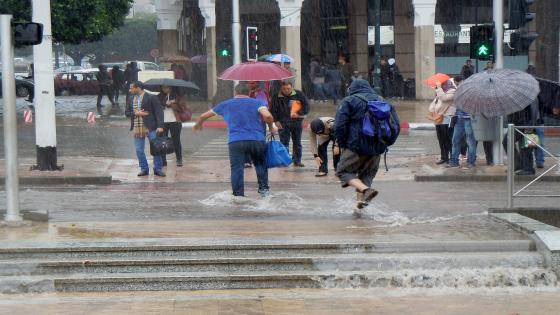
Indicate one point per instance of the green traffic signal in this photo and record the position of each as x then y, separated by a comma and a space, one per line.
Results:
483, 50
225, 53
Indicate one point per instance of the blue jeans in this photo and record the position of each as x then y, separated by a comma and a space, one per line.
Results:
292, 129
238, 152
539, 153
319, 91
140, 143
463, 128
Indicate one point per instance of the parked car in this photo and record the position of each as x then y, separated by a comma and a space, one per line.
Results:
142, 65
24, 87
81, 82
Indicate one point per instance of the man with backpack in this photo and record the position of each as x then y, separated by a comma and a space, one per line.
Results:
365, 126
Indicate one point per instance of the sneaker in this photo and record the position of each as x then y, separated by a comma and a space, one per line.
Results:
468, 167
540, 165
298, 164
360, 200
358, 213
248, 165
179, 163
159, 173
451, 165
525, 173
369, 194
143, 173
441, 162
321, 174
264, 193
462, 157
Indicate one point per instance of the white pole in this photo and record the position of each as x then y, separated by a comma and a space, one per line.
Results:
45, 119
10, 120
498, 14
236, 32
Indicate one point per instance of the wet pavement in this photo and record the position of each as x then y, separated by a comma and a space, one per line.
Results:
194, 203
295, 301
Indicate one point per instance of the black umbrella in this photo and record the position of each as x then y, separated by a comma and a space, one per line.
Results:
172, 83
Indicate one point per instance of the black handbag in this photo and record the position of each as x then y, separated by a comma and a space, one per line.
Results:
161, 146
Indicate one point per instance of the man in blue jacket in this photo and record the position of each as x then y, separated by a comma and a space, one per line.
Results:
146, 120
360, 156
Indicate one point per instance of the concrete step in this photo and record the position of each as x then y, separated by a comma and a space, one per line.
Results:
347, 262
406, 278
174, 248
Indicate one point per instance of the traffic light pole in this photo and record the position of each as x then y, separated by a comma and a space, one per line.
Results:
10, 120
236, 32
498, 15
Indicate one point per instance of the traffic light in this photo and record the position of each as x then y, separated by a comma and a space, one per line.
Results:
27, 34
225, 48
518, 13
521, 41
521, 38
252, 44
482, 42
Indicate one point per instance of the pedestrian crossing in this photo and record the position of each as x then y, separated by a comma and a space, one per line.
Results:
408, 145
217, 149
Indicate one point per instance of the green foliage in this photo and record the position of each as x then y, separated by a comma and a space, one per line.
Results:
133, 41
76, 21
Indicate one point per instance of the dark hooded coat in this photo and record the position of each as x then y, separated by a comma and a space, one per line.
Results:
349, 120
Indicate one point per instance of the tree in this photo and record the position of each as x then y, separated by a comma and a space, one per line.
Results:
123, 44
75, 21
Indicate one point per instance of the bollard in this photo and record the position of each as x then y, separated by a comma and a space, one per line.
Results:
510, 164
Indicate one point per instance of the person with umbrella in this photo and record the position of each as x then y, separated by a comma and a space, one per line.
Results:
495, 93
463, 128
168, 98
441, 110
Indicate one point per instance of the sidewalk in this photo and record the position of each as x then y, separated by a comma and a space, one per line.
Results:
76, 171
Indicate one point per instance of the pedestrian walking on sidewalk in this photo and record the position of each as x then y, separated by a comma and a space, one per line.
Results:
289, 108
169, 99
146, 120
361, 153
463, 128
321, 133
441, 110
105, 87
117, 75
246, 136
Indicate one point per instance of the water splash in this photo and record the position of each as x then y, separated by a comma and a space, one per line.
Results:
283, 202
454, 279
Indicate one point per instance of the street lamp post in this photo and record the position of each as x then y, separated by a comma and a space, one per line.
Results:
377, 55
45, 121
498, 17
236, 32
10, 120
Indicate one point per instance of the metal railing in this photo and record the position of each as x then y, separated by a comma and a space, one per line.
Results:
512, 130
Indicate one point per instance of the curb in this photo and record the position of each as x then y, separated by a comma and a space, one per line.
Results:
31, 215
478, 178
63, 180
220, 124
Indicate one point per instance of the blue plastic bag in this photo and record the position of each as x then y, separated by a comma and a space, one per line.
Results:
277, 154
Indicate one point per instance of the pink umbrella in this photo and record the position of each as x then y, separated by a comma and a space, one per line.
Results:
255, 71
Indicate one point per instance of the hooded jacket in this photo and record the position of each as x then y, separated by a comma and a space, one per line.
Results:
349, 119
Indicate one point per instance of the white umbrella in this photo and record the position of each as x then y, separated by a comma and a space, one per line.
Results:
497, 92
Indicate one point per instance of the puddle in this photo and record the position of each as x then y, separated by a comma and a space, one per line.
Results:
282, 202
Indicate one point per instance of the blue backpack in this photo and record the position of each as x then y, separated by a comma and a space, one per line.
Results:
381, 122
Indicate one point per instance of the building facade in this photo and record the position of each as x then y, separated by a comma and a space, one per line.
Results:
423, 36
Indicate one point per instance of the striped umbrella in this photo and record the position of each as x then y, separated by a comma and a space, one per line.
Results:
496, 93
280, 58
